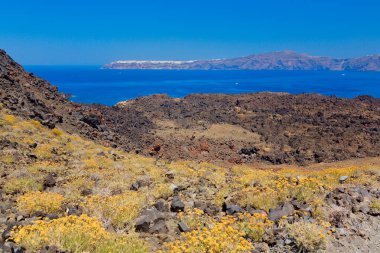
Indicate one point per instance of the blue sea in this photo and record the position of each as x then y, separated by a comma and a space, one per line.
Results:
90, 84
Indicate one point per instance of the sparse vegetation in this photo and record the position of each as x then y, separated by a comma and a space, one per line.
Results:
222, 237
309, 237
97, 181
75, 234
376, 205
45, 202
118, 211
22, 185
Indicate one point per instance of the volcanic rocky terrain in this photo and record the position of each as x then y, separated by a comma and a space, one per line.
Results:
276, 128
264, 172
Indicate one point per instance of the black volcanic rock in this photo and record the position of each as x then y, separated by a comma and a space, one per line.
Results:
285, 60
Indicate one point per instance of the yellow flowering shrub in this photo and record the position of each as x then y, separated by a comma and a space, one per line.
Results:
57, 132
194, 218
260, 198
44, 150
222, 237
71, 233
254, 226
303, 189
74, 234
308, 237
46, 202
118, 211
227, 235
8, 119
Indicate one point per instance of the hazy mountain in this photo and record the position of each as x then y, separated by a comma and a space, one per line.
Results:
285, 60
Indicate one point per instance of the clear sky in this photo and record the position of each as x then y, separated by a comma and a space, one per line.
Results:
95, 32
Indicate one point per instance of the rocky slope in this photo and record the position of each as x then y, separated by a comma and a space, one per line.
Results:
272, 127
286, 60
61, 193
266, 127
31, 97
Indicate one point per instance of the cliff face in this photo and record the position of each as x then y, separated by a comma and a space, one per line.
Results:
286, 60
272, 127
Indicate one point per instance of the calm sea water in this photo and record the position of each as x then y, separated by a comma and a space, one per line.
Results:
91, 84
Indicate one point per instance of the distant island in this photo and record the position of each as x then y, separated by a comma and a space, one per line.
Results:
284, 60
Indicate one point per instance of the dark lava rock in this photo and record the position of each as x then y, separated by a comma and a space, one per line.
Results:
135, 186
86, 192
177, 205
276, 214
91, 120
50, 249
49, 181
33, 145
159, 227
73, 211
183, 227
18, 249
232, 209
161, 205
148, 219
249, 151
7, 233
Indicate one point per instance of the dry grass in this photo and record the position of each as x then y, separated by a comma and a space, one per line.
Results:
98, 179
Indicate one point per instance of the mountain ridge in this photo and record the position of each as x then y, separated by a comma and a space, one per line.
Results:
279, 60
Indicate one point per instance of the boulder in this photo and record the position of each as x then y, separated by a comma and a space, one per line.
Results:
159, 227
342, 179
135, 186
150, 221
161, 205
49, 181
18, 249
177, 205
276, 214
50, 249
7, 233
232, 209
183, 227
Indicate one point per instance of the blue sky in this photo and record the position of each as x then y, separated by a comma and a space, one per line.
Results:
96, 32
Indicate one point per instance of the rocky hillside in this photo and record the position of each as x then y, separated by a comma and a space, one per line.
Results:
62, 193
272, 127
67, 183
34, 98
286, 60
228, 129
